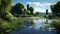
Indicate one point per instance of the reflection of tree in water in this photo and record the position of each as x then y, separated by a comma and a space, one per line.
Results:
28, 22
47, 25
56, 25
46, 20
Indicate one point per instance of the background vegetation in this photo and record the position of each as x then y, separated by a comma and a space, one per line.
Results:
9, 15
56, 14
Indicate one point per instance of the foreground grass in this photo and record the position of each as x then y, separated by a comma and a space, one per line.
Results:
56, 24
8, 26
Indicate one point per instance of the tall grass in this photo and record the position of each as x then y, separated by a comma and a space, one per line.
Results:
8, 26
56, 25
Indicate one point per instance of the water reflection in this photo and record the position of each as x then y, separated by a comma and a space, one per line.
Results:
42, 24
39, 26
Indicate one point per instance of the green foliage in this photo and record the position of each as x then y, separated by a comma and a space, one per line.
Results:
37, 13
7, 21
18, 9
5, 5
31, 10
56, 9
6, 26
56, 24
28, 7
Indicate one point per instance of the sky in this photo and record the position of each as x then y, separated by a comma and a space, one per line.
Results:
38, 5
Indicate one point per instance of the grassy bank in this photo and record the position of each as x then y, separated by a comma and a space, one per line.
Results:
8, 26
56, 25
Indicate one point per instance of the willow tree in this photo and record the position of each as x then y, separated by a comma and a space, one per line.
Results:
5, 7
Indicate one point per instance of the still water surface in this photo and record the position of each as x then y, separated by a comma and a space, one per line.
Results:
39, 26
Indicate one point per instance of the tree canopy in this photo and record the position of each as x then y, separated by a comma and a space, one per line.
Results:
31, 10
56, 9
18, 9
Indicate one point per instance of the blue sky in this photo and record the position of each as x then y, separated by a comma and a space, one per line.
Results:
38, 5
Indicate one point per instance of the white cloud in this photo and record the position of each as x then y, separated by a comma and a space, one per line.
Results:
40, 4
29, 2
39, 10
40, 7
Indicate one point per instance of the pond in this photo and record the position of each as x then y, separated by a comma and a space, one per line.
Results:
39, 26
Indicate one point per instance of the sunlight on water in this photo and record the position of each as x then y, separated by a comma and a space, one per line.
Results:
40, 24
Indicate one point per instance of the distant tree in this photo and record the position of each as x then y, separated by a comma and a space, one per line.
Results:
28, 7
31, 10
36, 13
18, 9
56, 9
46, 11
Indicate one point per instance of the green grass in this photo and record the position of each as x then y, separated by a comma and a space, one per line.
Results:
8, 26
56, 24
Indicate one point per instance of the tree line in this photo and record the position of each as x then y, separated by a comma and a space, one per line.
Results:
20, 11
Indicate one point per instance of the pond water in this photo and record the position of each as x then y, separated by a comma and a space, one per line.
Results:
39, 26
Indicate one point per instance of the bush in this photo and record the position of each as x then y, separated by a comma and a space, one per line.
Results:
7, 26
56, 24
